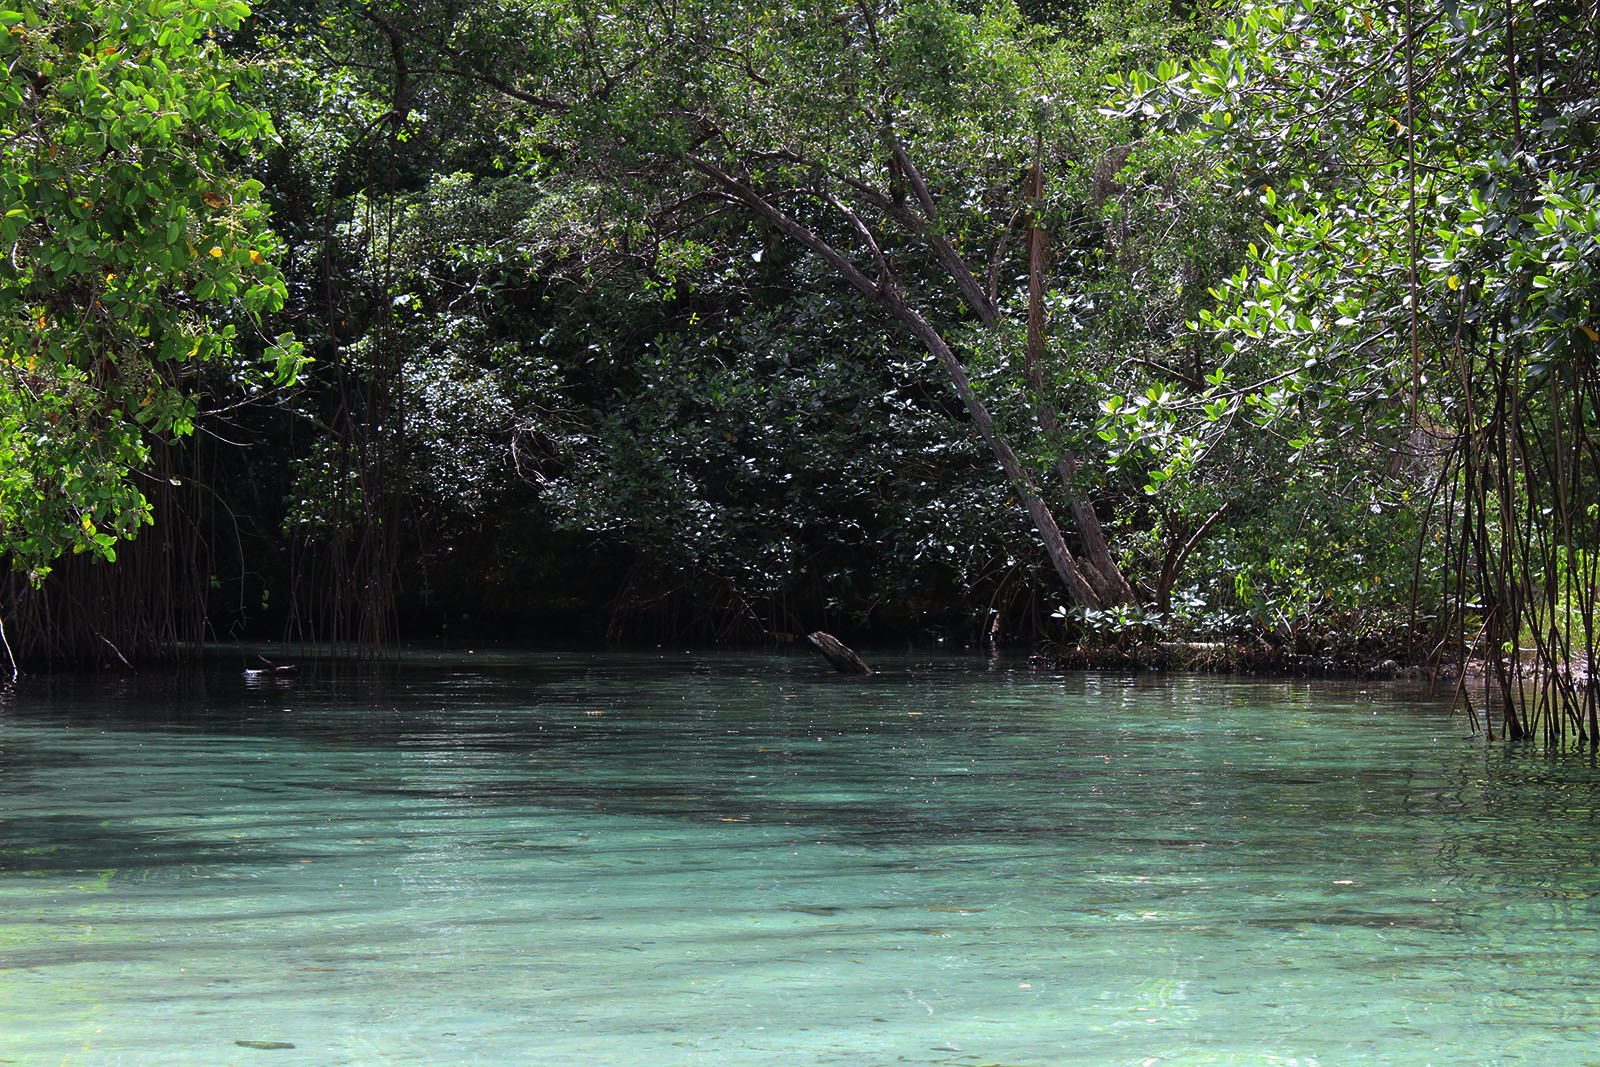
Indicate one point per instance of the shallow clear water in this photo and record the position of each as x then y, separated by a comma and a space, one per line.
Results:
678, 859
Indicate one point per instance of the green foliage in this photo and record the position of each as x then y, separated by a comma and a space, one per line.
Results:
497, 248
777, 450
1418, 314
528, 269
130, 240
1484, 183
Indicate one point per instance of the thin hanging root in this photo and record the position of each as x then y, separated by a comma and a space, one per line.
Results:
7, 643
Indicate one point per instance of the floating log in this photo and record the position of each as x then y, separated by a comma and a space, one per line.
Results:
834, 651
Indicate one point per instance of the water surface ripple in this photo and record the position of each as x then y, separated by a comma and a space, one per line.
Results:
628, 859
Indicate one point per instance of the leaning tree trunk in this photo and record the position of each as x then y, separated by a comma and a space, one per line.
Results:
1073, 576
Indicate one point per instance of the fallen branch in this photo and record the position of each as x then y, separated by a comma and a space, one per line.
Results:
834, 651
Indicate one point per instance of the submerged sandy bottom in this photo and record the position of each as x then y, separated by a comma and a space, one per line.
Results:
604, 859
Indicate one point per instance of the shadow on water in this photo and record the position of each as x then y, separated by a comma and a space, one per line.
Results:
66, 844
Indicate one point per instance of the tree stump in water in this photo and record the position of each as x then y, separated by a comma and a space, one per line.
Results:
843, 659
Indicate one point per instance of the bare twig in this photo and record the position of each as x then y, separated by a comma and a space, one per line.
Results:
115, 649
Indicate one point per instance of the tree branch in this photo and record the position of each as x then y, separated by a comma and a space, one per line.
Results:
747, 195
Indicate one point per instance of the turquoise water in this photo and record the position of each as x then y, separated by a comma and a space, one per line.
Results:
737, 860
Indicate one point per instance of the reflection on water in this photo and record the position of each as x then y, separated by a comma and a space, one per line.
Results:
679, 859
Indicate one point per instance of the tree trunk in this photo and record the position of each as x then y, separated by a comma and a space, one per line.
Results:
1180, 543
1072, 576
1099, 567
884, 291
